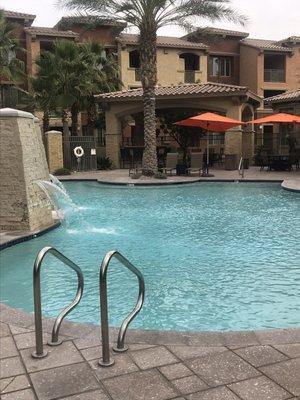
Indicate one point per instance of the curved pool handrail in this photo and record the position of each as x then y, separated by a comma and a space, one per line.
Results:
39, 351
105, 361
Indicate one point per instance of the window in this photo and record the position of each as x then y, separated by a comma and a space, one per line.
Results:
221, 66
215, 66
268, 137
270, 93
134, 59
216, 138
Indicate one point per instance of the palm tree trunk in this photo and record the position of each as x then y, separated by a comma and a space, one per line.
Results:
46, 121
66, 140
91, 116
74, 119
149, 78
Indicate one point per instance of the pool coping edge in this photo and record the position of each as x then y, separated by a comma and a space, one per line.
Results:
230, 339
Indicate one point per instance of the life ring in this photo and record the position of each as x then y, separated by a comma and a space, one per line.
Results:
78, 151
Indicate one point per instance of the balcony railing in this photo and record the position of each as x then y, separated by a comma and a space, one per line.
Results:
274, 75
189, 76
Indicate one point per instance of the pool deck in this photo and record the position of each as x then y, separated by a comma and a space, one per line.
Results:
262, 365
291, 184
121, 177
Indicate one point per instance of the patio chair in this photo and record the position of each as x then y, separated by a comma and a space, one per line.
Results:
171, 162
196, 163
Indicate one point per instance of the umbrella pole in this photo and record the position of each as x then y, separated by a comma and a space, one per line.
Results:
207, 154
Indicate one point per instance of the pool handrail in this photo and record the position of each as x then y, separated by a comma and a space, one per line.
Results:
39, 350
241, 167
106, 361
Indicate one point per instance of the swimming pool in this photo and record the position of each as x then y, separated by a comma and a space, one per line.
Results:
215, 256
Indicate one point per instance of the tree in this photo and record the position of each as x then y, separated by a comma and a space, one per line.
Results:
45, 87
148, 16
66, 81
12, 69
101, 74
183, 136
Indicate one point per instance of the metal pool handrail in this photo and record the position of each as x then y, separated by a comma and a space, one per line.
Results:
39, 352
105, 361
241, 167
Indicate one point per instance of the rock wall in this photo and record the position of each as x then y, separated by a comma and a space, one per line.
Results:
24, 206
54, 147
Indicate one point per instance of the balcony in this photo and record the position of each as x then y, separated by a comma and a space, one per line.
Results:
274, 75
189, 76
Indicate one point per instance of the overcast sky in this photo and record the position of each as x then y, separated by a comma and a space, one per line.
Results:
269, 19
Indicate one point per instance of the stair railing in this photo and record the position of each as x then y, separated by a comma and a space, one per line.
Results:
39, 350
106, 360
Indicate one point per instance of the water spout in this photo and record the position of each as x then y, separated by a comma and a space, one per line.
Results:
65, 208
57, 182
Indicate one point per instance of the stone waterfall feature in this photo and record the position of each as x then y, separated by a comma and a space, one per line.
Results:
23, 205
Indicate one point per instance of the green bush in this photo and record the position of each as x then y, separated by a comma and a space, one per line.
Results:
160, 175
104, 163
136, 175
62, 171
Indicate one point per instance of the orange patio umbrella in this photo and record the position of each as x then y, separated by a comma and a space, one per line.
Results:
277, 119
211, 122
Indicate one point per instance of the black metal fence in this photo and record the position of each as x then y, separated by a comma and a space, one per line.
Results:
88, 161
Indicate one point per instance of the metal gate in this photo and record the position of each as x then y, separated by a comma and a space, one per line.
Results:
89, 159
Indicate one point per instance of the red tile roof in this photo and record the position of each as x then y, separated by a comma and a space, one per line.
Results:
162, 41
264, 44
18, 15
88, 19
291, 40
216, 31
291, 96
41, 31
205, 89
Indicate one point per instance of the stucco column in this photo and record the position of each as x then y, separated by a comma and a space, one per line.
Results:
24, 206
54, 149
234, 136
113, 138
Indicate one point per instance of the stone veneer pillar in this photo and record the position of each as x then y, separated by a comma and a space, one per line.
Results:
113, 138
24, 206
54, 148
234, 136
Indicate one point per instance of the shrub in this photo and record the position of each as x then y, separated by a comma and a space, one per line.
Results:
104, 163
136, 175
62, 171
160, 175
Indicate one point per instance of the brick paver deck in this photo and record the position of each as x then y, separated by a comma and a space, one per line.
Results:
262, 365
121, 176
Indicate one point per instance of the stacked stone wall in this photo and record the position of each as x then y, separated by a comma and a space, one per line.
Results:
24, 206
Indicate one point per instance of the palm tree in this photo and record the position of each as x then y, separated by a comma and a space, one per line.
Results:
67, 79
11, 68
103, 74
148, 16
44, 86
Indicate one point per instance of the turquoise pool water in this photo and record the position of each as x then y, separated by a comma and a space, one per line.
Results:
215, 256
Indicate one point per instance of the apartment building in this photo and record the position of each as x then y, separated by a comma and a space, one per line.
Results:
208, 54
207, 59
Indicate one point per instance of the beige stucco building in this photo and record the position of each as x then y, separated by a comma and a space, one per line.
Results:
187, 66
233, 101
